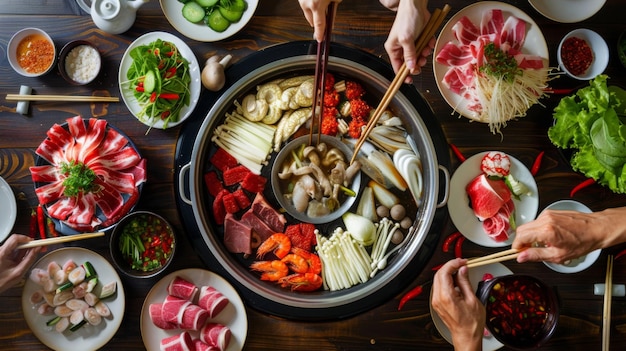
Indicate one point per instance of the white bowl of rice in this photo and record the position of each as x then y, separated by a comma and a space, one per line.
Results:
79, 62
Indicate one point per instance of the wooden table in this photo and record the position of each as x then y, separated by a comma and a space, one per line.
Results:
361, 24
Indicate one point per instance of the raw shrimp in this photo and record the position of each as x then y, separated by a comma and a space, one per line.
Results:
313, 260
272, 270
296, 263
279, 243
301, 282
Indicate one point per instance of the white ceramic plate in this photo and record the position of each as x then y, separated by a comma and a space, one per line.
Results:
534, 44
567, 11
462, 214
88, 337
490, 343
8, 209
194, 71
200, 31
581, 263
233, 316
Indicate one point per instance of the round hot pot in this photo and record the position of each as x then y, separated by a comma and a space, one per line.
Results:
194, 147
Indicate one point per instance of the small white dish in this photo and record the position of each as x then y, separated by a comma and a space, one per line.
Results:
14, 43
200, 31
581, 263
8, 209
462, 214
599, 49
476, 274
194, 71
567, 11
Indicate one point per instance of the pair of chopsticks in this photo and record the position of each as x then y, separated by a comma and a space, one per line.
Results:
60, 239
606, 314
505, 255
435, 21
320, 72
66, 98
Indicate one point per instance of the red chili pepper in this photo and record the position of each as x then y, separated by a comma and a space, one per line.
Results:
153, 96
535, 168
165, 114
170, 72
51, 229
581, 185
447, 243
33, 224
620, 254
413, 293
140, 89
437, 267
169, 96
41, 222
458, 247
457, 152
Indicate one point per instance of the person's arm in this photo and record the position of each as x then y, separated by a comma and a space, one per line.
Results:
456, 304
565, 235
15, 262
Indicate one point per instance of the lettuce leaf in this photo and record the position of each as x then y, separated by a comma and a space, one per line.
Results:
591, 122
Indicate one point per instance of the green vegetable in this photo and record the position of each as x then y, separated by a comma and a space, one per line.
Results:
217, 14
206, 3
89, 270
499, 64
360, 228
158, 68
78, 178
591, 123
78, 325
517, 188
193, 12
53, 321
108, 290
216, 21
64, 287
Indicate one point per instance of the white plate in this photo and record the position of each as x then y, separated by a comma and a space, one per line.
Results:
8, 209
194, 71
534, 44
490, 343
462, 214
200, 31
567, 11
88, 337
233, 316
581, 263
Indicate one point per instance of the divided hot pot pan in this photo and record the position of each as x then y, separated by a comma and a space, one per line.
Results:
195, 205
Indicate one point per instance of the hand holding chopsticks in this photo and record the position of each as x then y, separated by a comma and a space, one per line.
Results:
435, 21
60, 239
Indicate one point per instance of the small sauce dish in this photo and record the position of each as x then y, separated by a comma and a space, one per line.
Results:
583, 54
79, 62
31, 52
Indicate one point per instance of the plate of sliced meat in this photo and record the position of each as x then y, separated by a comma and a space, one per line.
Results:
196, 309
484, 55
490, 194
88, 175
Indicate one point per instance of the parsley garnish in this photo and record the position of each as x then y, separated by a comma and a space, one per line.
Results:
499, 64
78, 178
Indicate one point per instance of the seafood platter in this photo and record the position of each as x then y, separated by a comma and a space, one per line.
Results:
263, 268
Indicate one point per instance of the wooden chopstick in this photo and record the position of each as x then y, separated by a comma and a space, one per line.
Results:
431, 27
20, 97
60, 239
493, 258
606, 315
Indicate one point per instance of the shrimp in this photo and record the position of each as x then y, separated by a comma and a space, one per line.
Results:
296, 263
301, 281
279, 243
313, 260
272, 270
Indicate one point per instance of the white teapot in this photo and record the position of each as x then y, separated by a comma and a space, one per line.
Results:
115, 16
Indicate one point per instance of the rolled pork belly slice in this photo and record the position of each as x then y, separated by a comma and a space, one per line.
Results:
173, 308
212, 300
194, 317
202, 346
156, 315
179, 342
181, 287
216, 334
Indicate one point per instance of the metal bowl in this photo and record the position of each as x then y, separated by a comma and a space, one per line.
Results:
195, 146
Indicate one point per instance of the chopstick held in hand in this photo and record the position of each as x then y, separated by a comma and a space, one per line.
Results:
60, 239
506, 255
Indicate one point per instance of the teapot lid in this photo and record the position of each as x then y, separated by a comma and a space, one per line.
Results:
106, 9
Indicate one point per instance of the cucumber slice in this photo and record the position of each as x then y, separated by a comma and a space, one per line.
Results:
92, 283
149, 82
239, 5
64, 287
216, 21
89, 270
77, 326
193, 12
53, 321
230, 14
206, 3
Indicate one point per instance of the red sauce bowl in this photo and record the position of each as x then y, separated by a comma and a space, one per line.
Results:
522, 311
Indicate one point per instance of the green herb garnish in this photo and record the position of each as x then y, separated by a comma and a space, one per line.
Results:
78, 178
499, 64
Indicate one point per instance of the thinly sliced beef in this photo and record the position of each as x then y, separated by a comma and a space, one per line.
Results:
194, 317
216, 334
173, 308
498, 226
180, 342
237, 235
156, 316
257, 224
212, 300
182, 288
487, 196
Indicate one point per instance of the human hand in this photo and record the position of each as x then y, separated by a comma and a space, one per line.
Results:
13, 261
558, 236
411, 18
454, 300
315, 14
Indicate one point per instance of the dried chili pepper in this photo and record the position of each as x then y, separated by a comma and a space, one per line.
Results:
457, 152
410, 295
34, 228
41, 222
51, 229
535, 168
449, 240
620, 254
581, 185
458, 247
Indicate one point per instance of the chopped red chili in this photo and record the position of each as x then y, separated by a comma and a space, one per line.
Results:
576, 55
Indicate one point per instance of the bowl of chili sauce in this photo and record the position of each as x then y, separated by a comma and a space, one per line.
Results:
142, 244
583, 54
31, 52
522, 311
